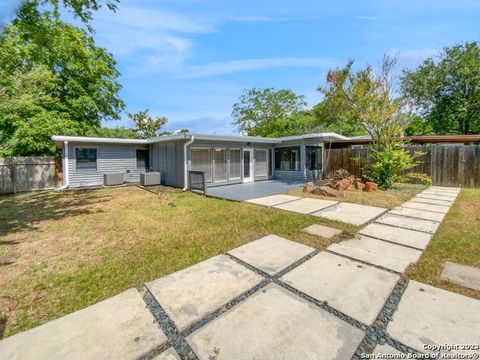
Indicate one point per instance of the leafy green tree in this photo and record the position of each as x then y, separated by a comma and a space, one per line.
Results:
119, 132
364, 99
325, 120
146, 126
271, 113
53, 80
445, 90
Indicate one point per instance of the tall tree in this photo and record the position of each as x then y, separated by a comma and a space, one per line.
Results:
364, 99
270, 113
445, 90
146, 126
76, 88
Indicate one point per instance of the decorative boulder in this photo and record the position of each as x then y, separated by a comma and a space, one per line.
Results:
342, 185
370, 186
308, 187
327, 191
358, 184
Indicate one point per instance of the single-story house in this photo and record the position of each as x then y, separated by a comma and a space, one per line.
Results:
223, 159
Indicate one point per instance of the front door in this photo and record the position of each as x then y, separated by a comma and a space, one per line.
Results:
247, 165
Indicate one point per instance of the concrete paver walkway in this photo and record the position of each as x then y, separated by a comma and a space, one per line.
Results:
272, 299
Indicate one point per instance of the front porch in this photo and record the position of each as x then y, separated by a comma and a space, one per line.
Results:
252, 190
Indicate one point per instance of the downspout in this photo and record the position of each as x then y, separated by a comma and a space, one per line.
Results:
185, 146
66, 179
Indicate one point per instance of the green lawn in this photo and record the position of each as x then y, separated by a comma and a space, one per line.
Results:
60, 252
457, 240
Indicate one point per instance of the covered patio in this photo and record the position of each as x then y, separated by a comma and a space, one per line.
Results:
252, 190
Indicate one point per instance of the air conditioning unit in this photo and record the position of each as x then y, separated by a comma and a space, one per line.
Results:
150, 178
113, 179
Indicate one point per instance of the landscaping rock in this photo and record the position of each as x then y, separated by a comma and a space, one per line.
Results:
342, 185
358, 184
370, 186
309, 187
340, 174
327, 191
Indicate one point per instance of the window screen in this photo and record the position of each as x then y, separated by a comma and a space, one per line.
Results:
314, 157
261, 168
143, 159
86, 159
287, 159
235, 168
202, 161
220, 171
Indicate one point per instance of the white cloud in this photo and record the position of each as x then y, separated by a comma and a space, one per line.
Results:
235, 66
365, 17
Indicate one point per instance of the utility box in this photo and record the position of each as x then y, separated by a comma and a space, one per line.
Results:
150, 178
113, 179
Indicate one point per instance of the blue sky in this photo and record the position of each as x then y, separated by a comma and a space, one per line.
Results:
190, 59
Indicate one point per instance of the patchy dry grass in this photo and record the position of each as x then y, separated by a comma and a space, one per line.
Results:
385, 199
61, 252
457, 240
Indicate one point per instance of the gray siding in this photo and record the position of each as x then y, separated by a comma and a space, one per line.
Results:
231, 145
167, 158
303, 174
111, 158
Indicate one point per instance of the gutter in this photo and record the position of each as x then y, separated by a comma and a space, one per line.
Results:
66, 180
185, 175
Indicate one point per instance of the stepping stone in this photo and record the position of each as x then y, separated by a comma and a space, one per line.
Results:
445, 189
428, 207
428, 315
449, 199
190, 294
306, 205
276, 324
271, 254
463, 275
409, 223
169, 354
440, 195
377, 252
323, 231
432, 201
420, 214
400, 236
358, 290
351, 213
384, 350
273, 200
120, 327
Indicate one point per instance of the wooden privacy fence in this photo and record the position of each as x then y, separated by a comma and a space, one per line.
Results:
28, 173
447, 165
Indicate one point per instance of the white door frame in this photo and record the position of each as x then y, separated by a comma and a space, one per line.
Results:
249, 179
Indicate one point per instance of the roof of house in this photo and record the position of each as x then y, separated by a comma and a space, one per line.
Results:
417, 139
179, 136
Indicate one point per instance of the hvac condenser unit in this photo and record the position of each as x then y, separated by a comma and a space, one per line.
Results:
150, 178
113, 179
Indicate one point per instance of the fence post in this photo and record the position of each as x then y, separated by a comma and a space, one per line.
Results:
13, 177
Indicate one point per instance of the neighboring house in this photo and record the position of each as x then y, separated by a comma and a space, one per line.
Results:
223, 159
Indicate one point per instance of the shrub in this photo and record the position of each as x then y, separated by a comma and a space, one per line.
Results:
420, 178
390, 164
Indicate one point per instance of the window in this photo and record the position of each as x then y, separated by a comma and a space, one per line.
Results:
261, 168
86, 159
220, 171
202, 161
143, 159
314, 157
287, 159
235, 168
270, 162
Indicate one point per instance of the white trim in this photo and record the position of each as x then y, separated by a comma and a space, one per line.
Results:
185, 162
251, 165
66, 174
326, 135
